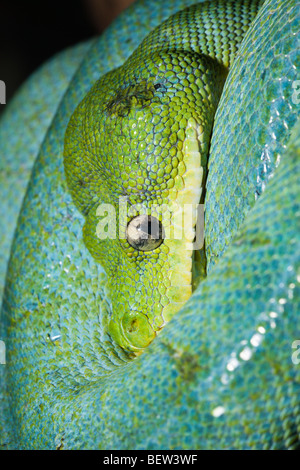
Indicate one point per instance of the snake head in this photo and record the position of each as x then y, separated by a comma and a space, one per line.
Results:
140, 139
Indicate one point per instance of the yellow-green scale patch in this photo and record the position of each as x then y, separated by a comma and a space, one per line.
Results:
141, 135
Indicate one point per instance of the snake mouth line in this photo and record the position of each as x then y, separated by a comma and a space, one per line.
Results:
195, 149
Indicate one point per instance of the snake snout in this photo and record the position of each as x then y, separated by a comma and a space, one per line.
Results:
133, 331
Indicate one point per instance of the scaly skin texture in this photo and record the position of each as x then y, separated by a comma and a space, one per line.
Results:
142, 134
220, 374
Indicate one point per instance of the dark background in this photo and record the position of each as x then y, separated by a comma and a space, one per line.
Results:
32, 31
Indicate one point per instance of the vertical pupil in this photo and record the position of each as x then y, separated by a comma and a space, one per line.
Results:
151, 228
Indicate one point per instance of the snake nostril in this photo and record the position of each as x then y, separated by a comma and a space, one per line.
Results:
133, 326
137, 330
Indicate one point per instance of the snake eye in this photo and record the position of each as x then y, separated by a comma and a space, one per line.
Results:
145, 233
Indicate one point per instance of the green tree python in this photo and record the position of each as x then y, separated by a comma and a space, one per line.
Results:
136, 341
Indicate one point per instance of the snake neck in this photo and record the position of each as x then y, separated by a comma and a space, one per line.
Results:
212, 28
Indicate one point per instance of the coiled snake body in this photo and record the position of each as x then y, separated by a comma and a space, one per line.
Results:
79, 311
